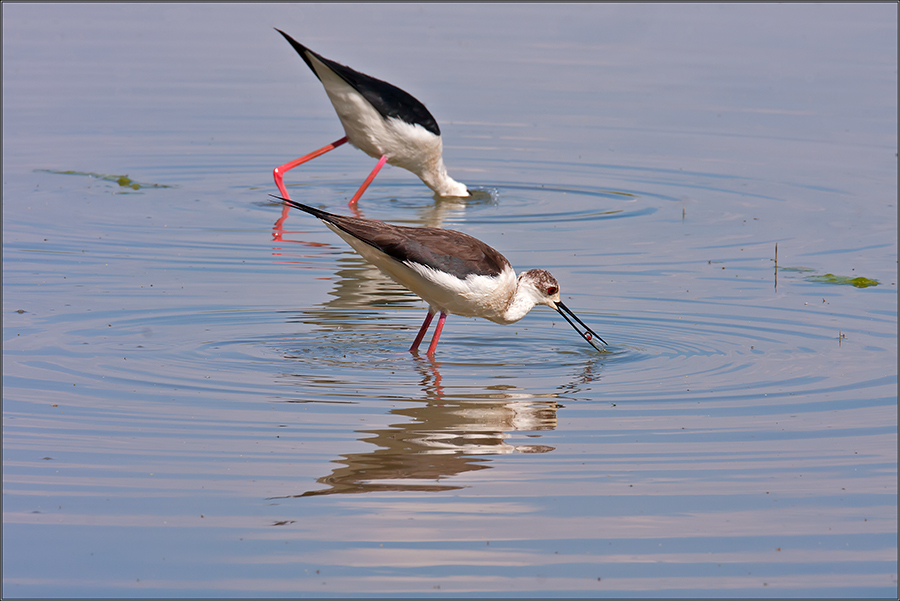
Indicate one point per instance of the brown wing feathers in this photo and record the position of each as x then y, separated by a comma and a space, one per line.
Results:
446, 250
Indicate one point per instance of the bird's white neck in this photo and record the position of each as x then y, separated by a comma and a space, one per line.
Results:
523, 300
436, 178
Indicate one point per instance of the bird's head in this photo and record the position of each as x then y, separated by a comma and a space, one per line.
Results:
541, 285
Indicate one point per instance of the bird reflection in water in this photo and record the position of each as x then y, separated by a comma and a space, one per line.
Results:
441, 439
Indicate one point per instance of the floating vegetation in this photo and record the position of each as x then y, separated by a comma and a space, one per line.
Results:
828, 278
843, 280
123, 180
796, 269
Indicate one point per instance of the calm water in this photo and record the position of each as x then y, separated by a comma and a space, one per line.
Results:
197, 405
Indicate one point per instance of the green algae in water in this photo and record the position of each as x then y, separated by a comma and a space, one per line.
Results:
123, 180
796, 269
843, 280
830, 278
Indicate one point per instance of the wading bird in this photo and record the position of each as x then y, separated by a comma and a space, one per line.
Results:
451, 271
381, 120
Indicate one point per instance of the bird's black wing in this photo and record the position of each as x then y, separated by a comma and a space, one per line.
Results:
388, 99
450, 251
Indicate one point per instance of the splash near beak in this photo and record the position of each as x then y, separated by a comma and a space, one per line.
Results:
588, 334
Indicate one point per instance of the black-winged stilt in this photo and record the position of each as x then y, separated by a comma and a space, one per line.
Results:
451, 271
381, 120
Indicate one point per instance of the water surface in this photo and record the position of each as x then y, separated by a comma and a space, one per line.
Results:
197, 404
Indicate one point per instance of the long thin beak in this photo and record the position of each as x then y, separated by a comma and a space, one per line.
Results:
588, 334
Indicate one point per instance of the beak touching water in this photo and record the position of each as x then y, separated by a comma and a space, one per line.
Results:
588, 334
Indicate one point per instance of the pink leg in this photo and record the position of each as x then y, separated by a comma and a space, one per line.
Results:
280, 171
437, 333
422, 330
278, 228
368, 181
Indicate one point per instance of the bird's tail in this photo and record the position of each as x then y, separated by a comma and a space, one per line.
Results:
311, 210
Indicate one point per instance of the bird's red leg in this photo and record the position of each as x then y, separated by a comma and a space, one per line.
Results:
437, 333
422, 330
368, 181
280, 171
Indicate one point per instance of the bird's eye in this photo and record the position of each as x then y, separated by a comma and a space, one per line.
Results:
552, 290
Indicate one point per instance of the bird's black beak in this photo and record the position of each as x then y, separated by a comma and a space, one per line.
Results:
588, 334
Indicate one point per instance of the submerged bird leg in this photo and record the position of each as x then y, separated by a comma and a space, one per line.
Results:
280, 171
368, 181
437, 333
422, 330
